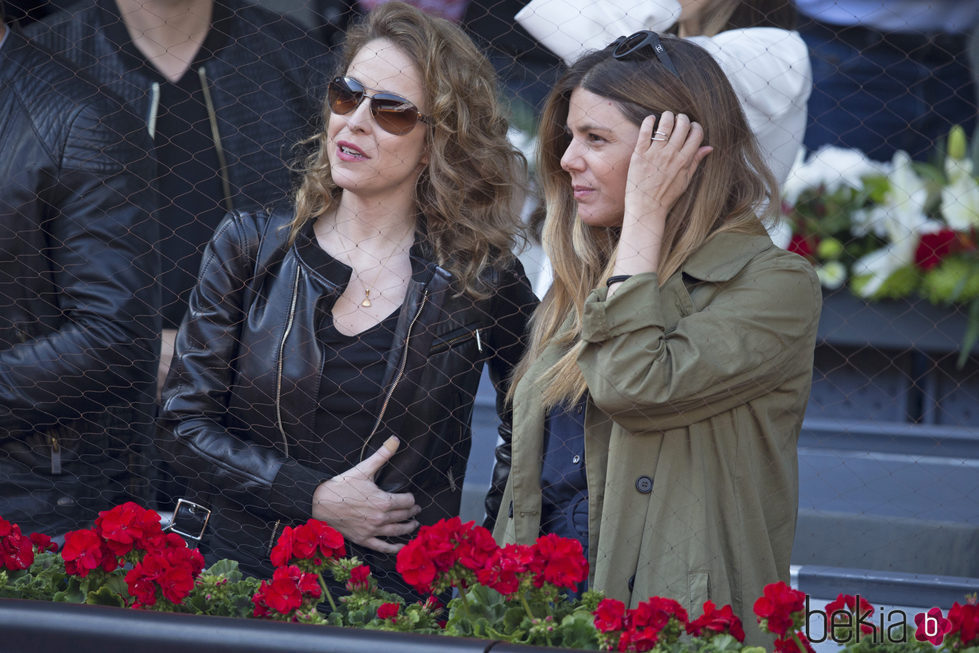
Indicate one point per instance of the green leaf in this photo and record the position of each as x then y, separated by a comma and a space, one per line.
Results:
971, 334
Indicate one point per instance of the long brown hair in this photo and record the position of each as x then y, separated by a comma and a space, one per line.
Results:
730, 190
468, 192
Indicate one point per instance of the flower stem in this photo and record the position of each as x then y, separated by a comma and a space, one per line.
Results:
798, 642
526, 606
326, 593
465, 603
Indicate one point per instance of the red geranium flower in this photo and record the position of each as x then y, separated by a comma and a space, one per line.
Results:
285, 592
848, 603
416, 566
84, 552
780, 609
314, 540
388, 610
931, 626
559, 561
127, 527
43, 543
16, 551
717, 621
172, 567
359, 578
964, 621
506, 568
638, 640
934, 247
789, 644
609, 615
801, 245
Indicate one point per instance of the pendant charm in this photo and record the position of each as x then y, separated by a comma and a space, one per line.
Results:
367, 299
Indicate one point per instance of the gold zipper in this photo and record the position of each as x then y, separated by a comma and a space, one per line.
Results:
397, 377
55, 455
278, 379
212, 117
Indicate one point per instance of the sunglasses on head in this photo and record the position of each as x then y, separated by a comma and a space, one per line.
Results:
635, 46
392, 113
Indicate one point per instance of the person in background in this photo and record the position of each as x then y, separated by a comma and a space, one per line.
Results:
79, 327
753, 41
526, 69
657, 410
888, 75
331, 354
225, 89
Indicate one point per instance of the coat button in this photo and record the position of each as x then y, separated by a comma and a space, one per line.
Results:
575, 459
644, 484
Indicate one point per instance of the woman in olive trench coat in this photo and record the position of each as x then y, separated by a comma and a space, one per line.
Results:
683, 331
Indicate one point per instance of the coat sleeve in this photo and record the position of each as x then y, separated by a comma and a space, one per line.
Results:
743, 344
513, 306
197, 392
94, 201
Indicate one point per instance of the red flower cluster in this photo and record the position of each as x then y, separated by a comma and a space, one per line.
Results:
310, 545
170, 567
289, 588
84, 552
847, 604
791, 643
118, 532
445, 554
42, 543
128, 527
552, 560
360, 578
780, 609
16, 550
715, 621
641, 628
934, 247
388, 611
964, 621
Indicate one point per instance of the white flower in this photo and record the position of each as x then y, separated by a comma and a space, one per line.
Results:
960, 200
903, 211
882, 263
832, 167
832, 275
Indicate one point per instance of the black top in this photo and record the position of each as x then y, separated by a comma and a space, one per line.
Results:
191, 195
351, 390
564, 486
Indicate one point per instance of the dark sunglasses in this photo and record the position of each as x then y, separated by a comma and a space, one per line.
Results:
632, 47
391, 112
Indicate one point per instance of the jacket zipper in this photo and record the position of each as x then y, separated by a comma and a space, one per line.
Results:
212, 116
154, 109
278, 379
55, 455
397, 377
465, 336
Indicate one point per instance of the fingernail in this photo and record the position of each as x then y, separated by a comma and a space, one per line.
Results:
391, 444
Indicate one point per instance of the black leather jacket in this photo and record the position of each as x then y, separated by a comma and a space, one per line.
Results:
243, 387
265, 77
78, 320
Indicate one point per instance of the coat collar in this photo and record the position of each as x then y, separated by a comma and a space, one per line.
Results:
724, 255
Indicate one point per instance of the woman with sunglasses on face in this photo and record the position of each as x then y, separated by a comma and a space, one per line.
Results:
329, 361
656, 413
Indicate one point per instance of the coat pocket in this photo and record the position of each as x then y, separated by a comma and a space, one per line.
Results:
698, 588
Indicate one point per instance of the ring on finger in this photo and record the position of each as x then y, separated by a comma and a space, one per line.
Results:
659, 139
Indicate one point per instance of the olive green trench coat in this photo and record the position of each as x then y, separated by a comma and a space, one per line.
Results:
697, 391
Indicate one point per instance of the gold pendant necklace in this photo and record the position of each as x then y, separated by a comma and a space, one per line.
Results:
367, 298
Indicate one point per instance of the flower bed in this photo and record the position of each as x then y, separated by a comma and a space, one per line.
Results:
514, 594
891, 230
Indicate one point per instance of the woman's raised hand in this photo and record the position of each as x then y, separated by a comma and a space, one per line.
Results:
662, 165
353, 504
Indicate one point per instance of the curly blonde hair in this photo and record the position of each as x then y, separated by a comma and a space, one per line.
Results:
468, 193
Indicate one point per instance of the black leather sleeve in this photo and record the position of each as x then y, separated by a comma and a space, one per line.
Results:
513, 306
78, 249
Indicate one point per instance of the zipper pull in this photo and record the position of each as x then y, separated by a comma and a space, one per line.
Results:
55, 455
479, 342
